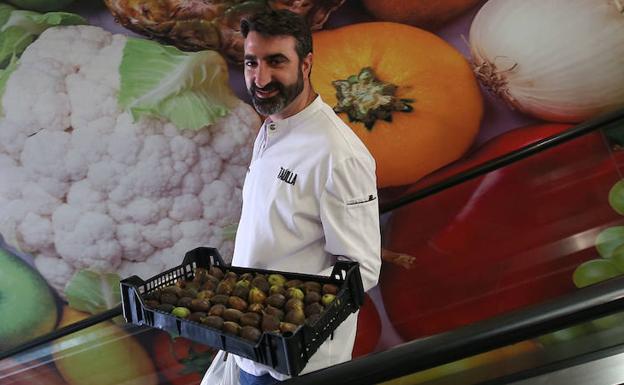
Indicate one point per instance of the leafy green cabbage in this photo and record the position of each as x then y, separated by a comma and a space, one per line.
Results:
188, 88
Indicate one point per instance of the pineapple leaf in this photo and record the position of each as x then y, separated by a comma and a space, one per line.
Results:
188, 88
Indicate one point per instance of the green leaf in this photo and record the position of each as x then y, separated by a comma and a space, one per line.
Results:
5, 74
188, 88
93, 292
21, 28
5, 13
228, 232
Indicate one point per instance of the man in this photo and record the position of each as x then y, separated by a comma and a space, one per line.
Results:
310, 192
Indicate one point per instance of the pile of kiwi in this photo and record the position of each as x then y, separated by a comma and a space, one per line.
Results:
244, 305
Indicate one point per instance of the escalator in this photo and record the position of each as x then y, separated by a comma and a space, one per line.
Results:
547, 321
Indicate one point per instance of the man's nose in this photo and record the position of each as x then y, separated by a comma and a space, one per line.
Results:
263, 76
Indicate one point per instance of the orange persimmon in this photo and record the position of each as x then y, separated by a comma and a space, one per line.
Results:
409, 96
429, 14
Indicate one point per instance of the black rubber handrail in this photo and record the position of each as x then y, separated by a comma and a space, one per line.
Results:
602, 122
582, 305
58, 333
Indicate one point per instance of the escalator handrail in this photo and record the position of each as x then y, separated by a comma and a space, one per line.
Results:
601, 122
579, 306
61, 332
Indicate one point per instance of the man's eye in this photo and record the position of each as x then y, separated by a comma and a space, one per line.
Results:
275, 62
250, 63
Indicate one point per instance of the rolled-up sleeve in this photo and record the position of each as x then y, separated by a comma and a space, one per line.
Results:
350, 216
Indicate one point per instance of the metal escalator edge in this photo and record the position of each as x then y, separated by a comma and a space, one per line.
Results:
583, 305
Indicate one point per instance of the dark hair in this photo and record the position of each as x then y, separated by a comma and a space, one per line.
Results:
280, 23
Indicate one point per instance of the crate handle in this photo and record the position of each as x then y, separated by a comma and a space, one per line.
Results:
203, 257
129, 291
350, 271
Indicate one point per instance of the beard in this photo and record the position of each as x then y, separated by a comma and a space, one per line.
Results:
285, 95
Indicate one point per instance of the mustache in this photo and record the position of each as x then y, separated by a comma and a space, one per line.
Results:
272, 86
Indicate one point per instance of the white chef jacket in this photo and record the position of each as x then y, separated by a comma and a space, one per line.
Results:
310, 193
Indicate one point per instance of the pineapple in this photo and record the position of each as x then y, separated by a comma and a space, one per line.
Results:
208, 24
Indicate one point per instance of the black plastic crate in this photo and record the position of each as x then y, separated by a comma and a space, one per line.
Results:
287, 353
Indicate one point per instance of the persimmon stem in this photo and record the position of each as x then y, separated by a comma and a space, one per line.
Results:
367, 99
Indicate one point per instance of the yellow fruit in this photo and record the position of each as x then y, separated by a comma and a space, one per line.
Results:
103, 354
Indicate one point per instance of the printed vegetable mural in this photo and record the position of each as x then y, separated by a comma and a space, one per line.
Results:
126, 131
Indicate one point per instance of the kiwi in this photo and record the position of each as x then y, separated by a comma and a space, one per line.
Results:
200, 305
293, 283
250, 333
184, 302
169, 298
329, 288
213, 321
293, 303
188, 292
231, 276
225, 287
152, 303
294, 292
240, 291
311, 286
216, 272
231, 327
313, 308
287, 327
219, 299
270, 323
295, 316
250, 319
261, 283
166, 307
205, 294
276, 300
276, 289
237, 303
217, 310
232, 315
197, 316
256, 295
256, 308
311, 297
279, 313
172, 289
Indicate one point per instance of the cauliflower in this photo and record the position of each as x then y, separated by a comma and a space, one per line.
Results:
85, 186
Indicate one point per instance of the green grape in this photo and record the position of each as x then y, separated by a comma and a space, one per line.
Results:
608, 240
618, 257
616, 197
594, 271
609, 322
564, 335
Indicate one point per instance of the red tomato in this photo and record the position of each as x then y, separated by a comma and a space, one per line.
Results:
515, 242
179, 360
368, 329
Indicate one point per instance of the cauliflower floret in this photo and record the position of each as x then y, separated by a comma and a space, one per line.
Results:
83, 186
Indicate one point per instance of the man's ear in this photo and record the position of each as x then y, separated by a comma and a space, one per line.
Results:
306, 65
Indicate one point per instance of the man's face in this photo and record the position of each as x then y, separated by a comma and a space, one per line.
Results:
273, 73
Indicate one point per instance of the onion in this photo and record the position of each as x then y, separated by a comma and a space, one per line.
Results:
558, 60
